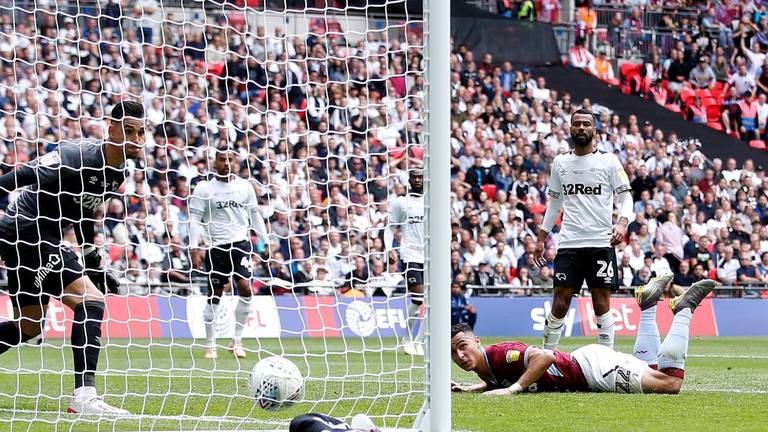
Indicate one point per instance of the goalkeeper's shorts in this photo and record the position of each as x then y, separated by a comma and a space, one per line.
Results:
37, 272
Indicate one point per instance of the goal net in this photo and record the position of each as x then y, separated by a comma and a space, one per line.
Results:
324, 102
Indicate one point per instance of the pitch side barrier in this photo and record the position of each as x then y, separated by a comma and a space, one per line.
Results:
171, 316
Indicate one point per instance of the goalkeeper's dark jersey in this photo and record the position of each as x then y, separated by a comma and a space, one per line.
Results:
64, 186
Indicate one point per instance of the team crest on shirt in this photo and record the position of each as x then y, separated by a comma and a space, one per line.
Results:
513, 356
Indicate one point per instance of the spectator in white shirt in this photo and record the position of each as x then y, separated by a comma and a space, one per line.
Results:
660, 264
474, 254
579, 56
727, 266
743, 81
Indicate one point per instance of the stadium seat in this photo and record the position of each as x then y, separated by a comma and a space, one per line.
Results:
757, 144
490, 190
629, 71
735, 134
417, 152
713, 112
716, 125
686, 94
687, 99
673, 107
396, 152
703, 93
708, 101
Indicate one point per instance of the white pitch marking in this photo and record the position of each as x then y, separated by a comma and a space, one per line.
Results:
735, 356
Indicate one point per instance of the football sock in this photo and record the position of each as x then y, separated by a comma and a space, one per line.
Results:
11, 335
675, 346
242, 311
552, 330
420, 332
605, 329
648, 340
209, 316
86, 341
413, 312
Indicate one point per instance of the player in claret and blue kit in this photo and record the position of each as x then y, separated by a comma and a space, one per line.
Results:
658, 367
62, 189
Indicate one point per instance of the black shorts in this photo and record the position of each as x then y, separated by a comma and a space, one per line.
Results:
414, 274
227, 261
596, 265
39, 271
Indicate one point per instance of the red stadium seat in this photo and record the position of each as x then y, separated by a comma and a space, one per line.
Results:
717, 87
490, 190
716, 125
713, 112
629, 71
708, 101
703, 93
735, 134
757, 144
417, 152
673, 107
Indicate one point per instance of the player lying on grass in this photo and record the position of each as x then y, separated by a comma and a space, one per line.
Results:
512, 367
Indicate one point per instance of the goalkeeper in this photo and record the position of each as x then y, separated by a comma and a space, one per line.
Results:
60, 189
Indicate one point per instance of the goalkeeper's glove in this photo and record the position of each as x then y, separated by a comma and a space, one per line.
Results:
104, 280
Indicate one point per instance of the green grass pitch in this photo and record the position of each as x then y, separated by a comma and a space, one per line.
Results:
174, 388
726, 389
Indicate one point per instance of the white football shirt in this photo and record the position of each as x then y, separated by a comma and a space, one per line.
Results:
587, 184
225, 209
407, 212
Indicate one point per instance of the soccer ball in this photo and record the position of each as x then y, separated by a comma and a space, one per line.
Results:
276, 383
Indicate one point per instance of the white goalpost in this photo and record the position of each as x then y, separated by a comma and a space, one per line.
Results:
330, 105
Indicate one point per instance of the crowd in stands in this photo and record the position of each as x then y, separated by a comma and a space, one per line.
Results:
696, 216
326, 128
711, 68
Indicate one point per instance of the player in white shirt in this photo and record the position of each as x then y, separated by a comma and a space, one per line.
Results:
407, 214
223, 209
583, 183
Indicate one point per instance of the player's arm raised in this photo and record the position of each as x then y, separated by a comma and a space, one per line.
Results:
539, 360
550, 216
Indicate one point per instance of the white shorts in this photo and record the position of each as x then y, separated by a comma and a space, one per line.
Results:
609, 371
